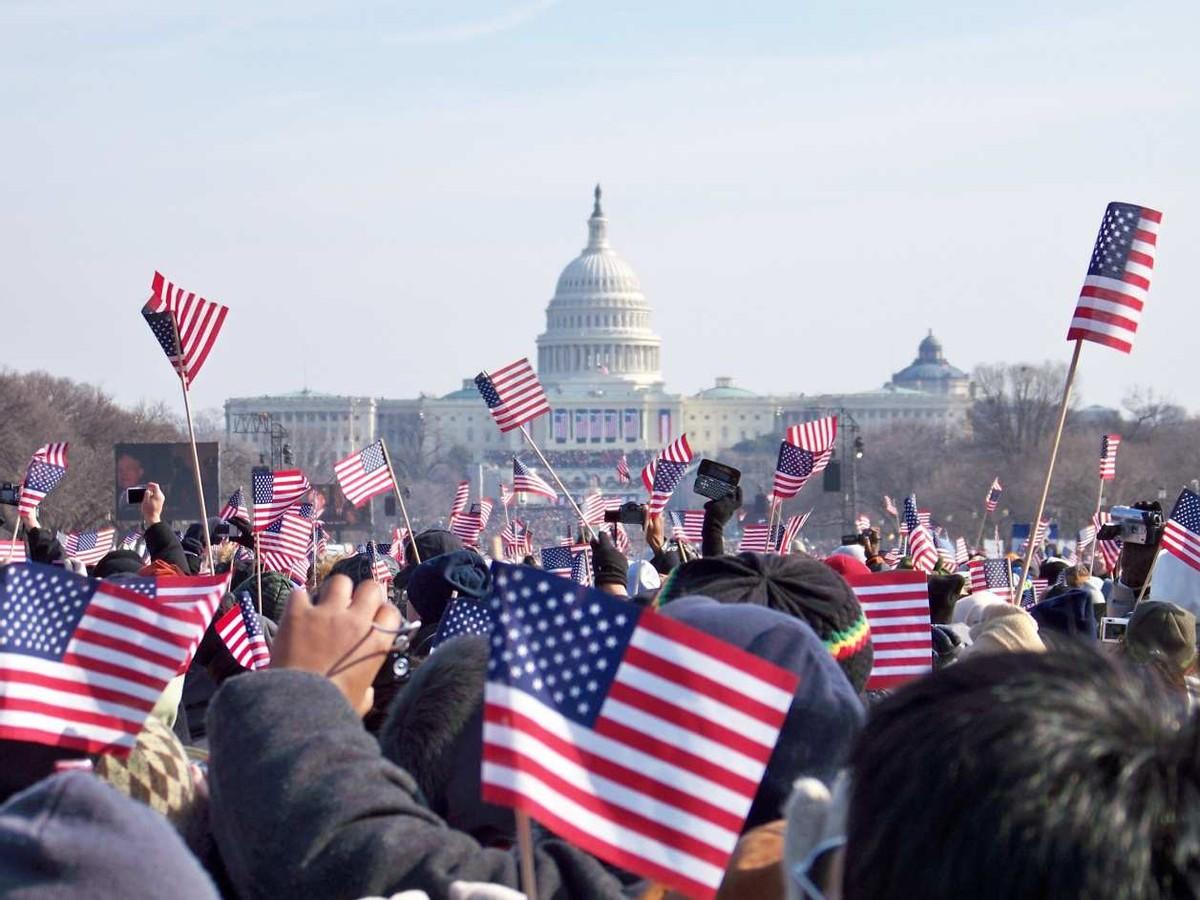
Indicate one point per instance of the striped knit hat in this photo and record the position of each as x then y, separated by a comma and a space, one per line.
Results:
797, 585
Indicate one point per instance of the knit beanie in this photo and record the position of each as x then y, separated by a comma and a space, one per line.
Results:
1164, 632
432, 582
156, 772
798, 586
276, 588
1003, 628
118, 562
846, 565
1069, 613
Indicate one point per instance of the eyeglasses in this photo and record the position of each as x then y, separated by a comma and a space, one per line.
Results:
816, 867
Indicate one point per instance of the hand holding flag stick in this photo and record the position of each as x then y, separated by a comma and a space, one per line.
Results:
1109, 308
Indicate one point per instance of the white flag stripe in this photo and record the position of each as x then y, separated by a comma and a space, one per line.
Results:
590, 783
164, 620
882, 637
660, 729
130, 636
894, 590
18, 690
913, 653
701, 663
119, 658
701, 704
605, 830
621, 754
69, 672
52, 726
882, 606
1116, 285
921, 668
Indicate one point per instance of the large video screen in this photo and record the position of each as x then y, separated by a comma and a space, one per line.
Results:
170, 466
339, 510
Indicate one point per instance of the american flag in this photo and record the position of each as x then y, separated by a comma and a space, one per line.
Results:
896, 605
321, 542
991, 575
581, 567
889, 506
755, 538
805, 451
364, 474
507, 494
89, 547
593, 508
12, 551
284, 541
462, 616
1181, 536
688, 525
1118, 277
558, 560
993, 495
85, 660
185, 325
620, 537
946, 557
235, 507
1035, 589
526, 481
516, 539
380, 570
241, 631
462, 495
790, 530
645, 748
486, 505
513, 394
862, 522
623, 470
1039, 535
925, 517
46, 469
396, 548
669, 470
961, 555
893, 556
1111, 552
466, 527
922, 550
910, 519
275, 493
648, 475
1108, 456
1087, 534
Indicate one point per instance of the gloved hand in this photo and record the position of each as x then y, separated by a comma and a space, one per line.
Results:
610, 568
244, 535
719, 512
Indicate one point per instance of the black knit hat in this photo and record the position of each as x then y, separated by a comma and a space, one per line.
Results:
799, 586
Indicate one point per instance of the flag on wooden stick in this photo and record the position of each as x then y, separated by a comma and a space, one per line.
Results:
185, 325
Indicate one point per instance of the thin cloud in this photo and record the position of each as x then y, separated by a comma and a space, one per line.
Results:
469, 31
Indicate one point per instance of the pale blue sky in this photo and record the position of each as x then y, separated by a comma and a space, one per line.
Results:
384, 193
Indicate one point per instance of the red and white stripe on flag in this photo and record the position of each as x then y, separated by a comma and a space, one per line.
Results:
655, 765
922, 549
198, 322
896, 605
462, 494
1118, 277
1108, 456
12, 551
364, 474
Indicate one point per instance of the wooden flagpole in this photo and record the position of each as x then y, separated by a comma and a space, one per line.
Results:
258, 572
187, 409
16, 534
1062, 419
559, 481
525, 844
387, 458
1096, 525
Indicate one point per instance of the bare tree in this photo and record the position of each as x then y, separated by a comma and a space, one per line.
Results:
1016, 406
1150, 411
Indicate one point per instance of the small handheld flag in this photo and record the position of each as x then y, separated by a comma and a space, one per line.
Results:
185, 325
513, 394
1108, 456
364, 474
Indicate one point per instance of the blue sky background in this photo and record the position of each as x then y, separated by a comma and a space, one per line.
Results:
384, 193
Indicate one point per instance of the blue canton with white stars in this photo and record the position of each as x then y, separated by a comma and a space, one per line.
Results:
263, 484
40, 609
911, 519
557, 559
249, 615
996, 574
490, 395
463, 616
43, 477
667, 475
1187, 511
372, 458
557, 641
1115, 240
795, 461
164, 330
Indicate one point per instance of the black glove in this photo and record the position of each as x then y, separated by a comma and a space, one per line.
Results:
245, 537
609, 565
717, 514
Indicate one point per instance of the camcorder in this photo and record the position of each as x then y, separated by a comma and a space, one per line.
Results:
1132, 526
863, 538
8, 493
631, 513
716, 480
1112, 631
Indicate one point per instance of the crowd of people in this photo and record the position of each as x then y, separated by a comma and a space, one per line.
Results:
1035, 760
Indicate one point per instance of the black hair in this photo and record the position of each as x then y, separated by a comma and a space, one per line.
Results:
1066, 774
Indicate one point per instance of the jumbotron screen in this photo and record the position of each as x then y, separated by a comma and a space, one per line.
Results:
170, 466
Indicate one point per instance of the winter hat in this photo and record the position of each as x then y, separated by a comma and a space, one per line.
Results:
434, 731
358, 567
276, 589
72, 835
1003, 628
854, 551
1069, 613
118, 562
429, 543
944, 591
193, 542
948, 643
432, 582
1164, 632
156, 772
642, 578
969, 609
826, 713
846, 565
798, 586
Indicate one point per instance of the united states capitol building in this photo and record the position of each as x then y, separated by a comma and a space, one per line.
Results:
600, 362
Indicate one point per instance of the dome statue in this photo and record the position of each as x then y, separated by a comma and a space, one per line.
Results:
598, 332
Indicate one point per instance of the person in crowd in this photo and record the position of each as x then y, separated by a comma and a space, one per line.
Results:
1001, 627
1059, 774
1163, 635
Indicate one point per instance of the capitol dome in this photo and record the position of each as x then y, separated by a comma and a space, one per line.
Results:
598, 331
931, 373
